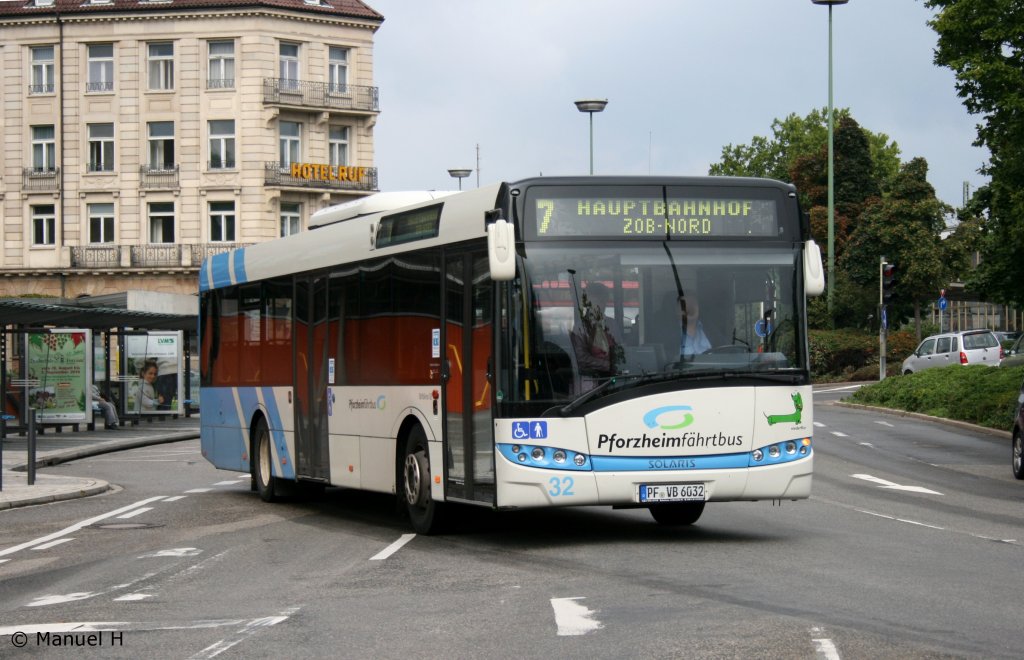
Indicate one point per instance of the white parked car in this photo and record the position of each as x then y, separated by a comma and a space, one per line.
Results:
968, 347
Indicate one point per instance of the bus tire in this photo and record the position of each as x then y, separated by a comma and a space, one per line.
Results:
677, 513
262, 470
424, 512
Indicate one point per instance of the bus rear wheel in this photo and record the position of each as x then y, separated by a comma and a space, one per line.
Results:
262, 468
424, 512
677, 513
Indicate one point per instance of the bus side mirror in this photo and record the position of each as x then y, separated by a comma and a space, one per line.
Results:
814, 272
501, 250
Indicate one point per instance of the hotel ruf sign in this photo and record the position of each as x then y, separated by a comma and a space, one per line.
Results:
323, 172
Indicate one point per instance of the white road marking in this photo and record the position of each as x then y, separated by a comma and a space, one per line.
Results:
819, 425
199, 490
173, 552
132, 514
878, 421
824, 648
135, 597
233, 482
572, 618
104, 626
77, 526
4, 560
844, 388
893, 486
866, 444
56, 599
248, 630
902, 520
47, 546
175, 498
840, 434
244, 476
393, 548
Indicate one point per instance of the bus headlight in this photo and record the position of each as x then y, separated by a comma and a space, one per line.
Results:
774, 451
790, 447
758, 454
559, 456
579, 459
537, 454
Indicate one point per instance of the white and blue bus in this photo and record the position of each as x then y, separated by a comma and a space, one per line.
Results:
558, 341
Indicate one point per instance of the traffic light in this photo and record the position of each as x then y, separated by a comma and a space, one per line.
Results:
888, 282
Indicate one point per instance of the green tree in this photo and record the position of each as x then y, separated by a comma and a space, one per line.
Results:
906, 227
982, 41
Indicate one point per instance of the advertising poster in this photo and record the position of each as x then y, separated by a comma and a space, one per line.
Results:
153, 370
59, 373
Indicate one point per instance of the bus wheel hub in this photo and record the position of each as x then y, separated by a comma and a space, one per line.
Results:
416, 472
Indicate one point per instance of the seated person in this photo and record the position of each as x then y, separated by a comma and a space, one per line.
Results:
597, 350
694, 341
106, 407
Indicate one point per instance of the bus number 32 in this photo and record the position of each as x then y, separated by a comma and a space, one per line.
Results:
561, 486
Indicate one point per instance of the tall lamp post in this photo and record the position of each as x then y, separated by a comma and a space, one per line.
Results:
460, 174
590, 106
831, 157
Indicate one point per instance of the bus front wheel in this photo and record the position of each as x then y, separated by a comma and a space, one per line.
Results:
263, 473
424, 512
677, 513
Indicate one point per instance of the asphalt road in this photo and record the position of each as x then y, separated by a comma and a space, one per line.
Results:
911, 546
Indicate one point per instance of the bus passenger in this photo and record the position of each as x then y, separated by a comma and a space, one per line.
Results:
598, 352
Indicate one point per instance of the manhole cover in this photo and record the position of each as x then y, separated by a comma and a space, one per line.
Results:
126, 526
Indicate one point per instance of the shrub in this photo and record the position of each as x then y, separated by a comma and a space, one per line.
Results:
973, 393
851, 354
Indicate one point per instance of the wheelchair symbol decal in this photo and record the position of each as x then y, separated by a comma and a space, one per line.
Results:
533, 430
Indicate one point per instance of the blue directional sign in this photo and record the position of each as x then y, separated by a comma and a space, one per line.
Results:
885, 319
942, 303
762, 328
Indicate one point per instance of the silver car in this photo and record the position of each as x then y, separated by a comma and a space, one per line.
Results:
969, 347
1014, 354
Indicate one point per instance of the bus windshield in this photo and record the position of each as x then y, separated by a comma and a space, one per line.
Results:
592, 311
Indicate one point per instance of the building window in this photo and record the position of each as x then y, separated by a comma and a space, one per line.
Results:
44, 149
101, 223
291, 218
161, 222
338, 69
161, 66
42, 70
289, 59
222, 144
337, 144
222, 222
44, 225
161, 145
101, 147
291, 143
221, 74
101, 68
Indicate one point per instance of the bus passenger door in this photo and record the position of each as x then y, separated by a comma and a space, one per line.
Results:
468, 338
311, 460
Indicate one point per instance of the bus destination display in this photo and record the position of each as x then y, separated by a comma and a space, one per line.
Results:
640, 217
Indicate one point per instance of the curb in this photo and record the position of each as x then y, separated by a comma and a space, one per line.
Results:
967, 426
58, 457
88, 491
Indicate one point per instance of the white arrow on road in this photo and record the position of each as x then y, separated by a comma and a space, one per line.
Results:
892, 486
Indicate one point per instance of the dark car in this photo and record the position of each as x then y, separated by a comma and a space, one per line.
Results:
1018, 431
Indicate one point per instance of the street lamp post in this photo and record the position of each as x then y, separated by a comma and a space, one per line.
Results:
590, 106
831, 157
460, 174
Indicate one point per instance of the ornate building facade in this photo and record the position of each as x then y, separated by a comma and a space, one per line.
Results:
141, 136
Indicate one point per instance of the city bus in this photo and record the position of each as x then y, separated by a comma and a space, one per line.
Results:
449, 348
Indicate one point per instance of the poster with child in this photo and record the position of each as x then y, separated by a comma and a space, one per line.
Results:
153, 363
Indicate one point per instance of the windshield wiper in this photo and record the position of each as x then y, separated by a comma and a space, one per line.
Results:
593, 394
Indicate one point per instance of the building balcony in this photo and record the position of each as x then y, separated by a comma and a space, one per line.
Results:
35, 179
320, 96
159, 178
151, 255
319, 176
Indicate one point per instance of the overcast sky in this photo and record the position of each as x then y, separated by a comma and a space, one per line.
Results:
683, 78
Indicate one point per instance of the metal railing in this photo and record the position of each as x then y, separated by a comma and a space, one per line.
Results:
340, 178
33, 178
104, 86
96, 256
202, 251
322, 95
220, 83
156, 254
151, 178
45, 88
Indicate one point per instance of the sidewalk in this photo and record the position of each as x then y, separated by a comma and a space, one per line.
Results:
53, 448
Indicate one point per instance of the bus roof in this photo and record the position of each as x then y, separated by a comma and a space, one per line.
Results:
378, 203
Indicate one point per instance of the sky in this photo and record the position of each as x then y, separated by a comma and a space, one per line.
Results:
683, 78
